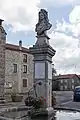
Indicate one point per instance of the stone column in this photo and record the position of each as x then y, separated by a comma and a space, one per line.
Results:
2, 60
43, 54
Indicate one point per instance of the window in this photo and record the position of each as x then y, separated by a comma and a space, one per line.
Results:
65, 81
72, 86
24, 68
65, 86
61, 81
24, 82
61, 87
15, 68
72, 80
24, 58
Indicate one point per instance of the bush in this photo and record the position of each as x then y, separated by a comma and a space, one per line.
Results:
38, 103
16, 98
35, 102
53, 100
29, 101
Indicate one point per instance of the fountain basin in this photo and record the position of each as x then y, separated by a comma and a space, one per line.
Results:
22, 114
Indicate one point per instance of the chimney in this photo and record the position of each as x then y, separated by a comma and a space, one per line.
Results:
1, 22
20, 44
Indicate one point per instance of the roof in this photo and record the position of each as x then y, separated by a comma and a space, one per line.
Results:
16, 48
78, 76
65, 76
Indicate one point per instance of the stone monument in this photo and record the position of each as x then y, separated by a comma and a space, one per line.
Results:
2, 61
43, 54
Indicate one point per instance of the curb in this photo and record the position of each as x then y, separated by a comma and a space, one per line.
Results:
66, 108
13, 109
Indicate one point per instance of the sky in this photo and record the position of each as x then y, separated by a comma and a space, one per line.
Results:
21, 16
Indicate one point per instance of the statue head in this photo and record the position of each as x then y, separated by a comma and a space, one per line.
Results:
43, 15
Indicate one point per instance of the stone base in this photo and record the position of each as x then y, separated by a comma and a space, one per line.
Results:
42, 112
42, 40
49, 111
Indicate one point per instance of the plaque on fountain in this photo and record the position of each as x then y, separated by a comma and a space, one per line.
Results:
40, 70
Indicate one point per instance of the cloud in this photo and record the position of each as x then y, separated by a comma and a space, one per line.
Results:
20, 14
73, 27
65, 39
74, 16
59, 3
67, 52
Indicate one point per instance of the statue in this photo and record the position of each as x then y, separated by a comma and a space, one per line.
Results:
43, 24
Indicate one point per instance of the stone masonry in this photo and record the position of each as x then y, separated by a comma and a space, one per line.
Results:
10, 55
14, 55
2, 58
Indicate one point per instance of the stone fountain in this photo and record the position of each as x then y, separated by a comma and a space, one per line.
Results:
43, 53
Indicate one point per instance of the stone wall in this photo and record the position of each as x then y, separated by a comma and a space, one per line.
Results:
2, 58
16, 57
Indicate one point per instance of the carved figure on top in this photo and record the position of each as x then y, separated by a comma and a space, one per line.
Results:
43, 23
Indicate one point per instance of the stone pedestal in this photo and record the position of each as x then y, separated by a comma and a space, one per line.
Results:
43, 72
42, 40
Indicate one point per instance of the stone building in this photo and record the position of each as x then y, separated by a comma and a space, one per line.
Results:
18, 68
2, 60
65, 82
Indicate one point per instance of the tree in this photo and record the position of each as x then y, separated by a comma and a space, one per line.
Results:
54, 72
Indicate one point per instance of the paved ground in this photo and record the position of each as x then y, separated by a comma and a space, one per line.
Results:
63, 96
64, 99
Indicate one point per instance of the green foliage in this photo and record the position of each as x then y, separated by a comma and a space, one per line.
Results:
53, 100
13, 94
54, 72
15, 97
29, 101
35, 102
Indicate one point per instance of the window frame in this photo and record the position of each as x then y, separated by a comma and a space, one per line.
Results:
15, 68
61, 87
25, 58
24, 68
24, 82
65, 87
72, 81
66, 80
61, 81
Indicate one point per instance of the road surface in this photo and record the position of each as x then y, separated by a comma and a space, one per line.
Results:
65, 99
